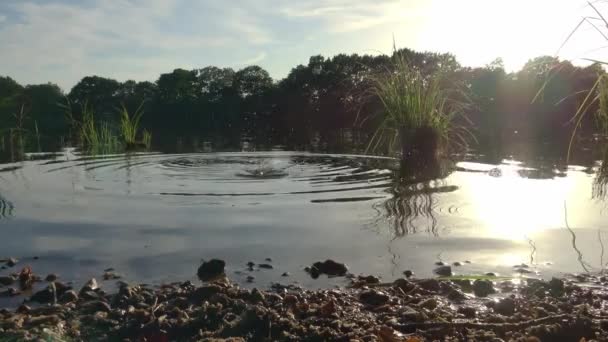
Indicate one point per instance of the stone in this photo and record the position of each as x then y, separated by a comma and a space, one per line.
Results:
408, 273
329, 267
265, 266
443, 271
457, 264
69, 296
10, 292
456, 295
51, 277
404, 284
440, 263
505, 307
7, 280
374, 298
211, 269
369, 279
205, 292
430, 285
522, 270
286, 274
90, 285
465, 284
96, 306
557, 287
483, 288
12, 262
257, 296
268, 259
468, 312
109, 275
429, 304
48, 295
250, 279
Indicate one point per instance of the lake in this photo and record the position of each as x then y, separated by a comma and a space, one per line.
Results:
153, 217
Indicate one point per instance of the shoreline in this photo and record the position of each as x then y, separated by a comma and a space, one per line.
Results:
484, 309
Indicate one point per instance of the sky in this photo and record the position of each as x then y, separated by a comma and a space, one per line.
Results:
61, 41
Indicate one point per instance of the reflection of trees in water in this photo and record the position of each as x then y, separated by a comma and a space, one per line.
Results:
413, 205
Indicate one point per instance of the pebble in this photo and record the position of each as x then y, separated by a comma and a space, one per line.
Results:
483, 288
265, 266
69, 297
444, 271
250, 279
408, 273
505, 307
374, 297
90, 285
7, 280
285, 274
430, 285
468, 312
257, 296
329, 267
211, 269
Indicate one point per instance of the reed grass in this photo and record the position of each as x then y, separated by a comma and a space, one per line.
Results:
95, 137
129, 124
411, 100
598, 94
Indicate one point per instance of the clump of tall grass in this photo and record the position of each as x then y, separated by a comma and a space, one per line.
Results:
129, 124
96, 137
412, 101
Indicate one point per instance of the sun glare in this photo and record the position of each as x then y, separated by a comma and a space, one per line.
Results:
514, 208
479, 31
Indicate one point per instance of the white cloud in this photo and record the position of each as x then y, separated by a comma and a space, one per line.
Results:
346, 16
63, 42
2, 18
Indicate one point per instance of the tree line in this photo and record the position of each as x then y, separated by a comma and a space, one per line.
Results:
323, 102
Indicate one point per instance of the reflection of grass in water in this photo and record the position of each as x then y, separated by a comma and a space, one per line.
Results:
600, 184
410, 204
6, 208
583, 263
413, 203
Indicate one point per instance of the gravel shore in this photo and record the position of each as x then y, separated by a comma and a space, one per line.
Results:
411, 310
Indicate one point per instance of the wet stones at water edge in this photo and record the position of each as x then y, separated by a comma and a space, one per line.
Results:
10, 262
211, 269
483, 288
7, 280
328, 267
444, 271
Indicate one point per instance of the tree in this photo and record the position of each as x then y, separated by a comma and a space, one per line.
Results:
252, 81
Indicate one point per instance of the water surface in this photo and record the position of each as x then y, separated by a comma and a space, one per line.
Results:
153, 217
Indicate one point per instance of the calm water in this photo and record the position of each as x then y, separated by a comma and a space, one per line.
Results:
153, 217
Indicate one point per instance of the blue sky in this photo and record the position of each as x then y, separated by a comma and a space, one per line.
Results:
64, 40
